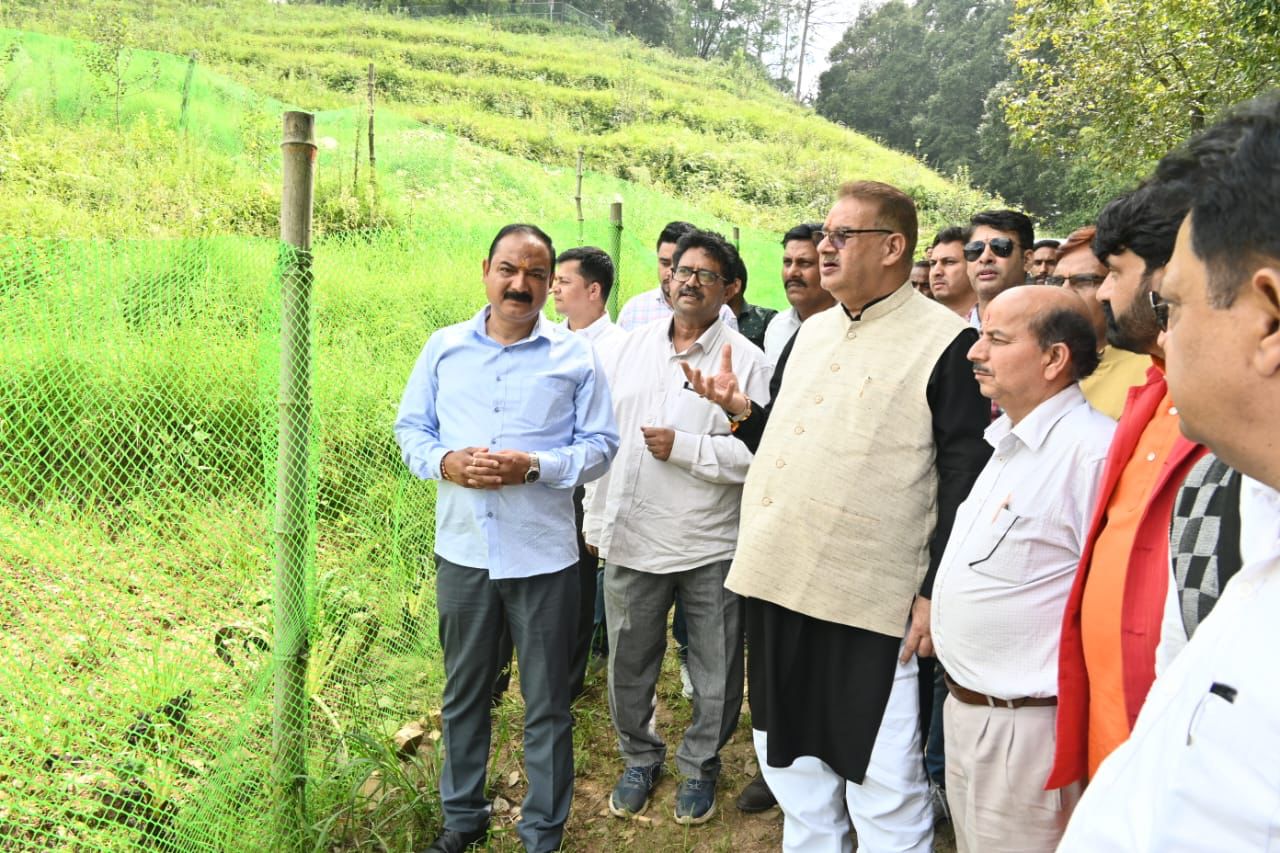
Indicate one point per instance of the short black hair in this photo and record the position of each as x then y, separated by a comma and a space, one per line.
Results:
922, 262
594, 264
1010, 222
1233, 174
523, 228
952, 234
673, 231
1071, 327
1046, 244
1144, 220
715, 245
803, 231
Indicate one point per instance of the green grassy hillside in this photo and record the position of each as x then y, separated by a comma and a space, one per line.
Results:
138, 299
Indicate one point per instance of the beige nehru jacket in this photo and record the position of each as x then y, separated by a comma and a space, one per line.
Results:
841, 499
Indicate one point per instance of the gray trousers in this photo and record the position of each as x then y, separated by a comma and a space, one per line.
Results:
636, 606
541, 614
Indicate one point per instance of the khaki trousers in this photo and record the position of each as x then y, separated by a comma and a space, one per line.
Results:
997, 762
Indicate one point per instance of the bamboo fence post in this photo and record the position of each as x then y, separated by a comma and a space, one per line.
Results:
293, 521
615, 250
578, 196
373, 161
186, 90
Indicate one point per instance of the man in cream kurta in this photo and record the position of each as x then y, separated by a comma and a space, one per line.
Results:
873, 439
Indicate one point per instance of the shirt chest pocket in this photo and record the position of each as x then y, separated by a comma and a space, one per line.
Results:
1001, 552
545, 401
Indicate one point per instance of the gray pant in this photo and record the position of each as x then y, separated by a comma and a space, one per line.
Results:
636, 607
541, 613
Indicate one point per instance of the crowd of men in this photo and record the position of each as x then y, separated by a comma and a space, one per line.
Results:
990, 537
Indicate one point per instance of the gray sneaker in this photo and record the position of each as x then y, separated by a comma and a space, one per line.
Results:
938, 800
630, 796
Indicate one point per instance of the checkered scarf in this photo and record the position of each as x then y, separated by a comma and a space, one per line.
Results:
1204, 540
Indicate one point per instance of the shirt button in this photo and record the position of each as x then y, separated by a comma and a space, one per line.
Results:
799, 430
781, 464
497, 408
1151, 457
766, 501
818, 398
489, 514
835, 368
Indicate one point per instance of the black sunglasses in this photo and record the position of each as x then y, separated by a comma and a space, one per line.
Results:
1161, 309
1001, 247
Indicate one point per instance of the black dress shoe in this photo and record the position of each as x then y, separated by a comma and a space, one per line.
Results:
756, 797
452, 841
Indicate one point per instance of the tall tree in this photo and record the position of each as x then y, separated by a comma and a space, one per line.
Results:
1122, 82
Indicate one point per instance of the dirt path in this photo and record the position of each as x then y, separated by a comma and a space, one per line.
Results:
592, 828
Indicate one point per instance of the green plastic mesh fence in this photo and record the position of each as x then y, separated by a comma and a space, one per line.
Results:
139, 417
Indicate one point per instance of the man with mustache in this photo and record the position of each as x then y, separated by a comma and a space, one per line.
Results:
655, 304
1199, 771
668, 522
998, 252
949, 274
801, 280
1007, 570
873, 440
1044, 259
1112, 623
508, 413
920, 278
753, 320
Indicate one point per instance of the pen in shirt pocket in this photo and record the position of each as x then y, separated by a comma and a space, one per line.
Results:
1004, 505
1223, 691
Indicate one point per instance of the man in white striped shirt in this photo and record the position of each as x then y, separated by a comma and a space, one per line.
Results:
1007, 570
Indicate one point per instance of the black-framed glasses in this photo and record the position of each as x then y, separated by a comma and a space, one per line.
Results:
839, 237
1086, 280
1161, 309
1001, 247
705, 277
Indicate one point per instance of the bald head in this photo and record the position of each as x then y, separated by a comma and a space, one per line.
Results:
1036, 340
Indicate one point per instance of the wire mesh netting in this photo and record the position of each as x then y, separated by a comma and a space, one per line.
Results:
139, 412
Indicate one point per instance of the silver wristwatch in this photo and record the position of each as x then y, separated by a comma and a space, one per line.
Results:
534, 472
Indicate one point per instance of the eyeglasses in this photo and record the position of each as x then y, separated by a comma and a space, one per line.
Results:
706, 278
839, 237
1001, 247
1087, 280
1161, 309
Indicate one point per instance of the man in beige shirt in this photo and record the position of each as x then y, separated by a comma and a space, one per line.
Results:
874, 437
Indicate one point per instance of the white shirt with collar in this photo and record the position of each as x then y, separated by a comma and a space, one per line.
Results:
1199, 771
606, 338
674, 515
780, 330
1005, 576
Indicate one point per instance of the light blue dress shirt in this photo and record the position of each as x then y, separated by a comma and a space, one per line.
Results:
546, 394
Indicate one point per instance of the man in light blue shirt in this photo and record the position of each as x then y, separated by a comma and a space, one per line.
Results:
508, 413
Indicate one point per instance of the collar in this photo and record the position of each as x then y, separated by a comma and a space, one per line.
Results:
1259, 521
706, 342
1035, 427
879, 306
540, 328
596, 329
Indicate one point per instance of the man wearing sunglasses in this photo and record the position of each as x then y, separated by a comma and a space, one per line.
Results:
1111, 626
998, 252
668, 523
1199, 771
874, 440
1080, 271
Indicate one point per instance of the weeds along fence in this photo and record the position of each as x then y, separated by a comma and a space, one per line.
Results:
138, 451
